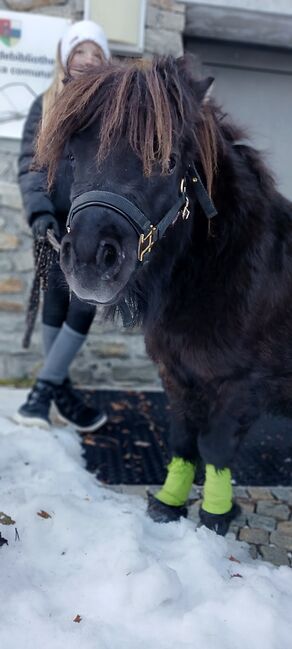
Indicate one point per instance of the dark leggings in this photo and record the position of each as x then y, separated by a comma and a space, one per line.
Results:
60, 307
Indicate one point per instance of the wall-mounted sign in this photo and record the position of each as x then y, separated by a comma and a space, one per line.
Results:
123, 22
28, 45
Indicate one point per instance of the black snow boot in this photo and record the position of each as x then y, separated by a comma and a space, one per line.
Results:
35, 411
219, 523
162, 513
73, 410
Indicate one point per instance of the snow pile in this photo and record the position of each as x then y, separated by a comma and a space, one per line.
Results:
91, 571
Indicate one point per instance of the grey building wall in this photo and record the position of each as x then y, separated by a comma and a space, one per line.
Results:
261, 22
111, 356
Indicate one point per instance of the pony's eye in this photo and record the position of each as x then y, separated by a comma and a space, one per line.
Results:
71, 157
171, 164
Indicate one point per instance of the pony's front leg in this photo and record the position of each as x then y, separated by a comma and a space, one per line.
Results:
217, 447
218, 509
169, 503
230, 416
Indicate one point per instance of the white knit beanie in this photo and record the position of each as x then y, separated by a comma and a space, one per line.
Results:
85, 30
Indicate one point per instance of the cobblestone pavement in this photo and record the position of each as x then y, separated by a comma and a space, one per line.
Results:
265, 522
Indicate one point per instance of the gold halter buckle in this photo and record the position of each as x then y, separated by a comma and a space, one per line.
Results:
148, 240
186, 212
183, 188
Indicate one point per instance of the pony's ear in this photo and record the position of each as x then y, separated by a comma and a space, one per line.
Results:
204, 89
190, 69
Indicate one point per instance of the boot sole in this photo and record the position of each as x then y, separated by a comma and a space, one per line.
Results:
83, 429
31, 421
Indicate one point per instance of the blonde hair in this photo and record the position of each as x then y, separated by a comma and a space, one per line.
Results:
51, 94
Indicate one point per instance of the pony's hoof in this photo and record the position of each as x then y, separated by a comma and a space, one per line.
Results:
161, 513
219, 523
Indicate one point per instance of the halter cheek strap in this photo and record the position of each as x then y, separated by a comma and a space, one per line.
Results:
202, 195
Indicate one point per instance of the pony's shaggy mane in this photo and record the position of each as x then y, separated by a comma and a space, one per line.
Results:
155, 104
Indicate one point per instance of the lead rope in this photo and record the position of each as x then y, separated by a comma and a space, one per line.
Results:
44, 257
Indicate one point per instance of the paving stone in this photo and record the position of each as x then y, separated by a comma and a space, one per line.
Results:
239, 492
282, 493
241, 520
247, 506
262, 522
234, 529
254, 535
253, 551
285, 528
281, 540
260, 493
280, 512
274, 555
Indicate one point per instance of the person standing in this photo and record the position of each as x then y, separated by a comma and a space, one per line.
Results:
65, 319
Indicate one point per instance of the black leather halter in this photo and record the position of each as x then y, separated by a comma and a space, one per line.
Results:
148, 234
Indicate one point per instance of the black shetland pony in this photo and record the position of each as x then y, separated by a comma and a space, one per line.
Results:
177, 222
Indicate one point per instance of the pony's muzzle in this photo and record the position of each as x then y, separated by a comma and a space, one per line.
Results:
108, 257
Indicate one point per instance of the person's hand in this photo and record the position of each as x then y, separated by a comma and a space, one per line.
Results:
43, 223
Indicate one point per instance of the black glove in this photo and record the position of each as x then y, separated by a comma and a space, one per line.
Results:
43, 223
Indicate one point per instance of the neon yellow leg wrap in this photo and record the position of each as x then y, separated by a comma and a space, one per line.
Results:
217, 491
178, 483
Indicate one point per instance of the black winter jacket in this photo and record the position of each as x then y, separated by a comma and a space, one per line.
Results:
33, 184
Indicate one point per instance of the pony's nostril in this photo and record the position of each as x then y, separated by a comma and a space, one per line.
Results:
108, 258
109, 255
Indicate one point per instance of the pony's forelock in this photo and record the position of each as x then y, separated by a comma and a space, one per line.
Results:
152, 103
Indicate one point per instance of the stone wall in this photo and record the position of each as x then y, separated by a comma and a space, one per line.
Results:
110, 356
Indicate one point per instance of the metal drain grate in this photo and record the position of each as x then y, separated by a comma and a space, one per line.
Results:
132, 447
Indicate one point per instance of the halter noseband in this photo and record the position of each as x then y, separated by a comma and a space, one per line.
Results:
148, 233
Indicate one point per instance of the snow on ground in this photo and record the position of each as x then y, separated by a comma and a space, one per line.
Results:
135, 584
